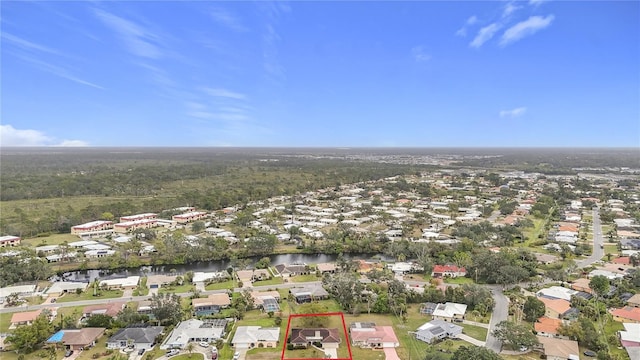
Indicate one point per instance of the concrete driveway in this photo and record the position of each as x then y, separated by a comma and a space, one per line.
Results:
391, 354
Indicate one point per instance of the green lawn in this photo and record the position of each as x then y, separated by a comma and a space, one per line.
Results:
304, 278
458, 280
88, 295
273, 281
476, 332
55, 239
229, 284
194, 356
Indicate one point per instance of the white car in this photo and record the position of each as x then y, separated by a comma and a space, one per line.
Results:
203, 344
236, 356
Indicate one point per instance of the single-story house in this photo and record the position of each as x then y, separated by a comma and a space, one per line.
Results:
77, 339
61, 287
28, 317
266, 300
449, 311
545, 259
555, 308
556, 292
560, 349
249, 276
211, 304
630, 337
128, 283
326, 268
440, 271
21, 290
136, 337
109, 309
367, 336
306, 337
309, 293
249, 337
626, 314
548, 327
158, 281
581, 284
287, 270
194, 330
436, 330
144, 308
634, 301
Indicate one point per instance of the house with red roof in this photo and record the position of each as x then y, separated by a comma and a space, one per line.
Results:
626, 314
548, 327
367, 335
440, 271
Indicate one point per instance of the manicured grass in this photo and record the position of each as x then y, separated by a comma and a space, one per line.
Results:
193, 356
88, 295
418, 277
476, 332
304, 278
176, 289
229, 284
458, 280
54, 239
610, 249
272, 281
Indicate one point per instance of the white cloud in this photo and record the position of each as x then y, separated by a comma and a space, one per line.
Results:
58, 71
509, 9
10, 136
513, 113
485, 34
228, 20
470, 21
419, 54
525, 28
28, 45
218, 92
138, 40
536, 2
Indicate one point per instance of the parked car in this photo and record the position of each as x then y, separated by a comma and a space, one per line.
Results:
173, 352
141, 351
590, 353
236, 356
68, 353
203, 344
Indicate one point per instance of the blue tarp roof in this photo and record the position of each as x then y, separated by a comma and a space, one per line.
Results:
57, 337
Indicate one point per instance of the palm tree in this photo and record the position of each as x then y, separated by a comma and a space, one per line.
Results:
190, 348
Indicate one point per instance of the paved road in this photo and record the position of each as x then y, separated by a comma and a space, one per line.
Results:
598, 242
500, 313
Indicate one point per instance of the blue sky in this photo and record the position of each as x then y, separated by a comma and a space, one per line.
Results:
370, 74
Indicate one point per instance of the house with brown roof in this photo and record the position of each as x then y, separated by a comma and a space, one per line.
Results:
211, 304
326, 268
322, 336
287, 270
559, 349
555, 308
548, 327
634, 301
28, 317
77, 339
626, 314
109, 309
582, 284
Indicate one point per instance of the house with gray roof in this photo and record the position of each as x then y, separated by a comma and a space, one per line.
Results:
436, 330
136, 337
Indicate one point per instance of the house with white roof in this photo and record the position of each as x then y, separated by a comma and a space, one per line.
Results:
436, 330
557, 292
248, 337
194, 330
449, 311
9, 241
130, 282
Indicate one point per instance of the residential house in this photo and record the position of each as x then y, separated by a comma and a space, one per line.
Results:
630, 337
249, 276
59, 288
135, 337
555, 308
309, 293
449, 312
292, 269
545, 259
367, 335
626, 314
440, 271
194, 330
9, 241
581, 284
158, 281
211, 304
266, 300
249, 337
189, 217
436, 330
634, 301
28, 317
109, 309
137, 217
326, 268
128, 283
144, 308
556, 292
548, 327
21, 290
131, 226
77, 339
93, 226
324, 337
559, 349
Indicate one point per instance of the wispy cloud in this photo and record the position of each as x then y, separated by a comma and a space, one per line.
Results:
225, 18
272, 11
28, 45
525, 28
537, 2
513, 113
419, 54
485, 34
10, 136
57, 71
219, 92
138, 40
470, 21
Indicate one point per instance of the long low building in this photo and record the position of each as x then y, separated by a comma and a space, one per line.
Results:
98, 225
130, 226
9, 241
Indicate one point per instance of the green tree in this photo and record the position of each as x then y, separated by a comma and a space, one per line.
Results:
600, 285
515, 336
27, 338
313, 321
533, 309
197, 227
99, 320
475, 353
166, 308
